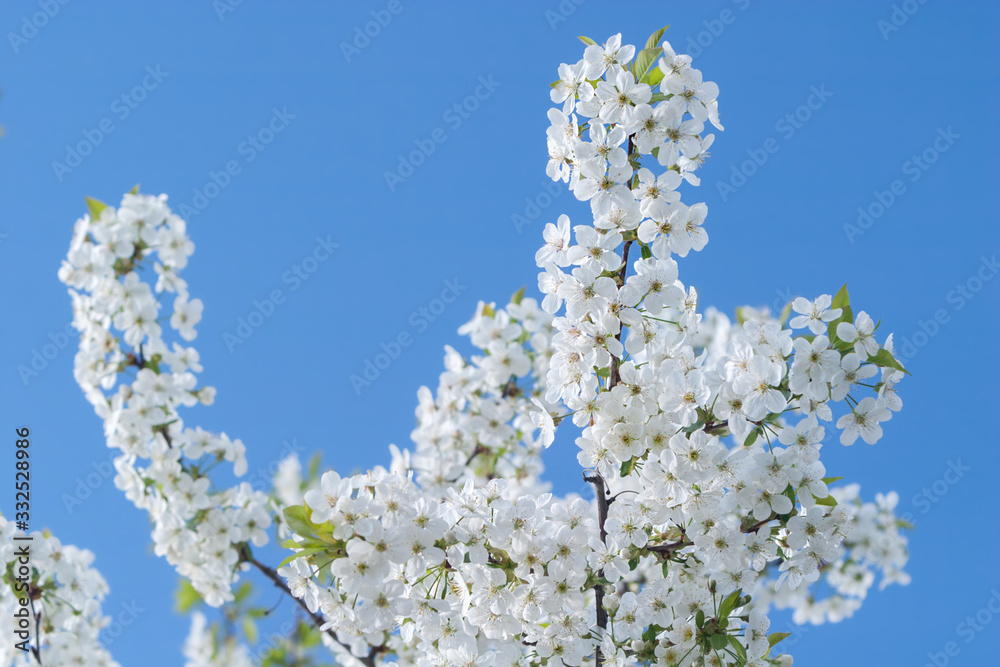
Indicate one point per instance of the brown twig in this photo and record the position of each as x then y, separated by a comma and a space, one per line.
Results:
600, 490
669, 549
317, 620
37, 649
613, 377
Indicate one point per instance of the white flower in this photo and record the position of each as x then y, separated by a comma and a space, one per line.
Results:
861, 333
814, 314
864, 421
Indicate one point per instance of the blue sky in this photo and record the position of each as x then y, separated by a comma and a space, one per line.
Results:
883, 183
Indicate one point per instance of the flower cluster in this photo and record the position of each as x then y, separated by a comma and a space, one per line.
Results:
444, 580
200, 529
656, 390
701, 436
872, 543
63, 615
714, 534
479, 424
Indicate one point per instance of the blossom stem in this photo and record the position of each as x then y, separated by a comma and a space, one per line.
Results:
600, 490
613, 377
37, 650
368, 661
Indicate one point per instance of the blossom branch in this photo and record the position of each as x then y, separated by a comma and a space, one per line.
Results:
600, 490
368, 661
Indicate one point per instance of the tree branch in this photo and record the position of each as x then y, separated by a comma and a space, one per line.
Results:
368, 661
602, 516
37, 650
670, 548
613, 377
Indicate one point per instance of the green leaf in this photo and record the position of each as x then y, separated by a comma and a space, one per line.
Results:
134, 190
699, 618
718, 641
738, 647
697, 426
659, 97
518, 295
308, 635
555, 83
829, 501
729, 603
242, 592
752, 438
488, 310
776, 637
831, 480
304, 553
654, 39
785, 312
644, 61
884, 358
628, 466
604, 372
653, 76
250, 629
298, 519
842, 300
586, 40
644, 249
186, 596
95, 206
314, 465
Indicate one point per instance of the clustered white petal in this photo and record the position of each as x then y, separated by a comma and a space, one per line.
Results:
57, 583
162, 465
701, 436
496, 568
